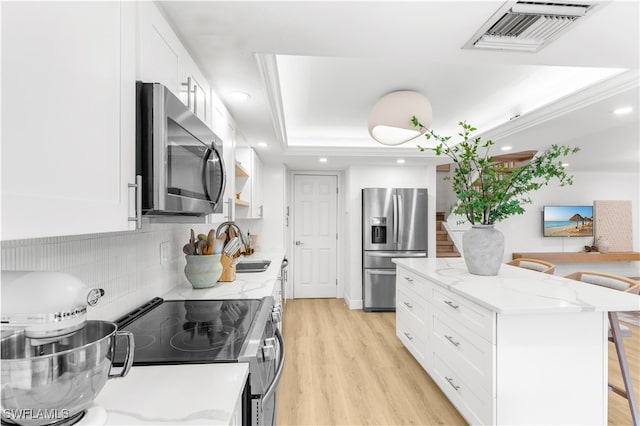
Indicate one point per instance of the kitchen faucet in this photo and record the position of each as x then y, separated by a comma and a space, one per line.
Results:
230, 224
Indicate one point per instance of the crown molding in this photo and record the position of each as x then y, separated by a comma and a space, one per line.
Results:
268, 68
620, 83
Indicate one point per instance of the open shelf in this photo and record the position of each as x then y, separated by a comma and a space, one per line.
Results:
557, 257
241, 171
241, 203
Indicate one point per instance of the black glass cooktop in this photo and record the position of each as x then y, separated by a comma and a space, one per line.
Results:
187, 331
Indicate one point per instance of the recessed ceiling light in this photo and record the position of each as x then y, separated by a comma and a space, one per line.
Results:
506, 148
400, 161
623, 110
323, 160
240, 96
262, 144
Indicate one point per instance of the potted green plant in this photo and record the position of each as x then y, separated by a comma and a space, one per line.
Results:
489, 192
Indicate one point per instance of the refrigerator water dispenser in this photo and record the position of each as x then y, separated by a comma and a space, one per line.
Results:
378, 230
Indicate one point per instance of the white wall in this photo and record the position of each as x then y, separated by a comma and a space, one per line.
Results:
445, 197
524, 233
358, 177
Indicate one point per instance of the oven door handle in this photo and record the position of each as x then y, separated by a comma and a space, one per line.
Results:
274, 383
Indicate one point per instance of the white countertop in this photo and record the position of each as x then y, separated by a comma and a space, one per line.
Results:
251, 285
174, 394
520, 291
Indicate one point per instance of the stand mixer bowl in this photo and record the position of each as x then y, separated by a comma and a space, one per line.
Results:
46, 380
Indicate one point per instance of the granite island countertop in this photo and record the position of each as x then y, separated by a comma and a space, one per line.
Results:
520, 291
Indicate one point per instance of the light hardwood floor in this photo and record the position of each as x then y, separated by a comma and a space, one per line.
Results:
347, 367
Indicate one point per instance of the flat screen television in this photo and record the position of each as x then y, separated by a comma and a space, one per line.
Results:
567, 221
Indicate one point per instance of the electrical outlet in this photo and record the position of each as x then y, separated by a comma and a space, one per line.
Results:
165, 251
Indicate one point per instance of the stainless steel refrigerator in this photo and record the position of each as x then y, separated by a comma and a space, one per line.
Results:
394, 224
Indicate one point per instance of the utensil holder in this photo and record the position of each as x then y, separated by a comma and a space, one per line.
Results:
228, 274
228, 270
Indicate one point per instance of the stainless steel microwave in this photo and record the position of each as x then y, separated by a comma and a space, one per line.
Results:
177, 155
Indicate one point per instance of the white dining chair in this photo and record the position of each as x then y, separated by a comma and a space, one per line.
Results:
533, 264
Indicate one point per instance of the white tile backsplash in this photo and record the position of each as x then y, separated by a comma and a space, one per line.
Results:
125, 264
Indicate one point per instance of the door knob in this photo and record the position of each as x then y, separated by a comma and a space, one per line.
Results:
299, 243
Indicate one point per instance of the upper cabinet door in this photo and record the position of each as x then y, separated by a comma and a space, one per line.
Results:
68, 117
164, 59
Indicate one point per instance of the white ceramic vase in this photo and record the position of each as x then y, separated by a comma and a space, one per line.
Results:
483, 249
603, 244
203, 271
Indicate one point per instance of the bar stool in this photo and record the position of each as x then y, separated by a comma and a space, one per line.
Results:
533, 264
616, 331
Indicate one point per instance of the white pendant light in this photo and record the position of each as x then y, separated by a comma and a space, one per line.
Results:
390, 119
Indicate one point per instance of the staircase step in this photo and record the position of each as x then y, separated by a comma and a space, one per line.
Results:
439, 225
448, 254
446, 243
439, 215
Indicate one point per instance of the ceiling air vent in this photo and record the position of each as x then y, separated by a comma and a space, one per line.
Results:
526, 26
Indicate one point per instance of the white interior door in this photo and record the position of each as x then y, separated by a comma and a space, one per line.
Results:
315, 236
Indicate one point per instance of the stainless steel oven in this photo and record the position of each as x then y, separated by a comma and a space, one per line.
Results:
214, 331
178, 157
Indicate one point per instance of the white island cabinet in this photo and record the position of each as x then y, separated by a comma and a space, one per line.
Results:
68, 118
521, 347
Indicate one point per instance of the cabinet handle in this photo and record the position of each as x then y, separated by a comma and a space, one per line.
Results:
453, 342
409, 279
450, 303
195, 100
408, 336
229, 204
408, 305
260, 214
450, 380
138, 188
187, 86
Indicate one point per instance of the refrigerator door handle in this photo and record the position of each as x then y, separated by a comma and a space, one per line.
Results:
398, 218
395, 219
394, 254
380, 271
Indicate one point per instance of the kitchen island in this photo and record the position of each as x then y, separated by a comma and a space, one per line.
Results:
519, 347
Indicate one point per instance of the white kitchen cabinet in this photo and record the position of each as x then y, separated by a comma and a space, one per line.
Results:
223, 125
68, 118
250, 204
164, 59
508, 349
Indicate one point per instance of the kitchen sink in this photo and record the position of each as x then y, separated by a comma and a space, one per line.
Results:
252, 266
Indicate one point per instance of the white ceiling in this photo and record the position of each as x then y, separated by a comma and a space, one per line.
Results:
315, 69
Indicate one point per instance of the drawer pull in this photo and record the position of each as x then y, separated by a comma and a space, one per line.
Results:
450, 380
409, 279
450, 303
450, 339
410, 337
408, 305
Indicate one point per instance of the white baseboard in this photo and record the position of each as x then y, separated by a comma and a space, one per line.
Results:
354, 304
